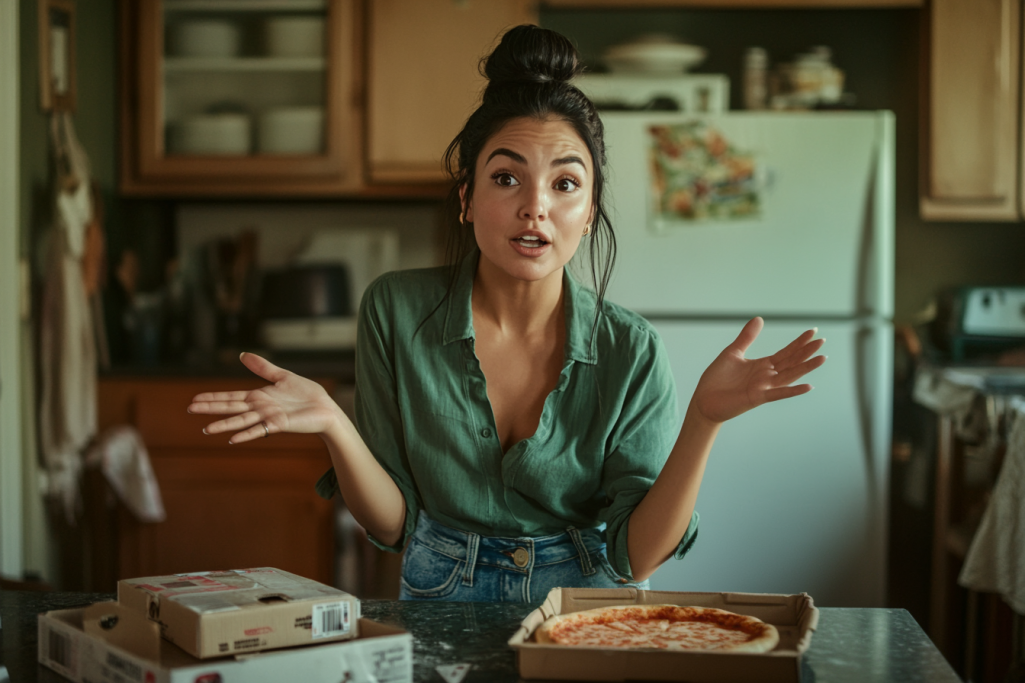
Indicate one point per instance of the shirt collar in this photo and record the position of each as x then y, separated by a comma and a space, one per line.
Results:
580, 304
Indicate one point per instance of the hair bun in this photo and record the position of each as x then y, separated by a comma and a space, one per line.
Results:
530, 54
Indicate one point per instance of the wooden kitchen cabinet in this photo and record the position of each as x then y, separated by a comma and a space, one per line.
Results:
167, 85
228, 506
422, 78
971, 133
731, 4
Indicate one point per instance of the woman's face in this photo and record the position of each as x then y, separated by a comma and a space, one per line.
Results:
532, 198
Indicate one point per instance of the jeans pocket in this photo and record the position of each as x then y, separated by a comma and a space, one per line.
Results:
427, 573
615, 578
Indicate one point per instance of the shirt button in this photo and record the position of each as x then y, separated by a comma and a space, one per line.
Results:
521, 557
486, 433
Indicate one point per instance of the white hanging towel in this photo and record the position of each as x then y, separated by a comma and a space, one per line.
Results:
124, 461
67, 417
996, 557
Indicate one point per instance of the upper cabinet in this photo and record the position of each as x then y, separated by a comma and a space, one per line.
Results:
284, 97
422, 78
971, 132
245, 97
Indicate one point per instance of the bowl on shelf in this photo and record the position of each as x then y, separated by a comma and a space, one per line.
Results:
653, 54
291, 130
215, 134
294, 36
205, 38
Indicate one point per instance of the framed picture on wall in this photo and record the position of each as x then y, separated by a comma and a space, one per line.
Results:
57, 54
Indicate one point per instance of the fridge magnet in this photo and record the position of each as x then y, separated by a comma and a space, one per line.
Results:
57, 54
698, 175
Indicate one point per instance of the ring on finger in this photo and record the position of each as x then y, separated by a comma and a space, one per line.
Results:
266, 430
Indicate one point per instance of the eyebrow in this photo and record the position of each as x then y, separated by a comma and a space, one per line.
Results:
562, 161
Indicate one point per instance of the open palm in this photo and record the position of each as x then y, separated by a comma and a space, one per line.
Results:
733, 384
290, 404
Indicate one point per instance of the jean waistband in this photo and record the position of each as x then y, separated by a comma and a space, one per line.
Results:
501, 551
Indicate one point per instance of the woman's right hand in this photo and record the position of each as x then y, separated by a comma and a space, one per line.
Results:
290, 404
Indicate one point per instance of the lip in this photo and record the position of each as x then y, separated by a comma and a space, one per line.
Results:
531, 252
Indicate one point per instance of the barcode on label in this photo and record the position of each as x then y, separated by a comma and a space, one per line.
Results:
57, 647
330, 619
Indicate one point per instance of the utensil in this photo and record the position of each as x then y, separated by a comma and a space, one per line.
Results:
653, 54
205, 38
219, 134
294, 36
291, 130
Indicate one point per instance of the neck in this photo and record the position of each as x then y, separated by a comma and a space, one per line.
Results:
516, 306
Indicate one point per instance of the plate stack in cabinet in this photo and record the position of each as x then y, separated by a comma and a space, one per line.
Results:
245, 97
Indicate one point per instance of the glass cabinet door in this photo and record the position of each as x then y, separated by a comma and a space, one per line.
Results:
243, 90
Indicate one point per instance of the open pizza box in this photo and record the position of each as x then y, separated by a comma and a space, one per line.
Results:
794, 616
110, 643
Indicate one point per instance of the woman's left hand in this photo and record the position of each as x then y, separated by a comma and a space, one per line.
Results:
733, 384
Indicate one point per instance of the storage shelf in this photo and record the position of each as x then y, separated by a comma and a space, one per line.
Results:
244, 5
175, 65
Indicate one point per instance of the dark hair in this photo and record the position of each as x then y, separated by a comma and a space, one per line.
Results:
528, 77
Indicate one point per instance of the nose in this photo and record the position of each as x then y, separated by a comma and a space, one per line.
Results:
535, 204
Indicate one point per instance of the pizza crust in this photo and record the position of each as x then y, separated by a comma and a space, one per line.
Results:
664, 627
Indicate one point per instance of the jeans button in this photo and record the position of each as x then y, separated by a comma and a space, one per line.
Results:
521, 557
486, 433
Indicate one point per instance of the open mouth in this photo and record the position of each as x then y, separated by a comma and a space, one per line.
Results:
530, 242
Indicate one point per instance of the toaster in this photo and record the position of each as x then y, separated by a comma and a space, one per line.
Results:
982, 321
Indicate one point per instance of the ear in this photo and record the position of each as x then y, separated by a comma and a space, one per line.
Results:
466, 204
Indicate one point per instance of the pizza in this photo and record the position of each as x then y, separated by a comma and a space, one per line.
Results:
663, 627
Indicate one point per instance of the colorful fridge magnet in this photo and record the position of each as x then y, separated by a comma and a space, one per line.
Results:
697, 175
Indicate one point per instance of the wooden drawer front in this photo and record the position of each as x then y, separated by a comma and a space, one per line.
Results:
231, 511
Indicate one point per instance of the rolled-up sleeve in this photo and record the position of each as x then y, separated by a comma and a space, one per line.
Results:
638, 448
378, 418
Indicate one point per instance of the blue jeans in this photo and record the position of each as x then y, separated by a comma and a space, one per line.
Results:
442, 563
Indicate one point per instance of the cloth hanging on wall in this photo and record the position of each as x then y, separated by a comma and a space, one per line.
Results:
68, 418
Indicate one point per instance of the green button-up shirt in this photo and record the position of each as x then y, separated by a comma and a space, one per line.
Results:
423, 410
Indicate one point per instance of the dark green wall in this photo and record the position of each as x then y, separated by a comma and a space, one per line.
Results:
879, 51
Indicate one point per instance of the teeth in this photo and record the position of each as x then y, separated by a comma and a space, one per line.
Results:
531, 238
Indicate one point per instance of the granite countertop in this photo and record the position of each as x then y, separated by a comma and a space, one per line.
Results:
850, 645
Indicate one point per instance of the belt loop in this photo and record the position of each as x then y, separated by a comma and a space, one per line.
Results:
472, 544
585, 558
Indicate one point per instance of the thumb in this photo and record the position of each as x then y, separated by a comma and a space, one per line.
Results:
748, 334
263, 367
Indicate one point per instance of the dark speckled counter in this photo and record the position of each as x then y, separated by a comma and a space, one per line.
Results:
850, 645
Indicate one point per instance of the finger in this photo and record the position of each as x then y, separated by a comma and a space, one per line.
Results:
255, 432
263, 367
748, 334
786, 392
791, 375
218, 407
220, 396
233, 424
783, 354
802, 353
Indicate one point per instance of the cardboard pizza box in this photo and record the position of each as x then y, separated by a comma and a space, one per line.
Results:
107, 643
212, 614
794, 616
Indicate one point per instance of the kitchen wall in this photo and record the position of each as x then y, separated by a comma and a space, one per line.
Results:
95, 121
880, 52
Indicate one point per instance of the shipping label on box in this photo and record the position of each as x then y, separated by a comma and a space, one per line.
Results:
212, 614
100, 644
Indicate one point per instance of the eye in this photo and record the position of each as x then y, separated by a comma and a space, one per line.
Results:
504, 179
567, 184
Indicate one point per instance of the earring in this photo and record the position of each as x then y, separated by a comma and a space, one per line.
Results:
462, 215
587, 229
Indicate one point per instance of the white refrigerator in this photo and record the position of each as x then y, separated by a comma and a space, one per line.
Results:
788, 216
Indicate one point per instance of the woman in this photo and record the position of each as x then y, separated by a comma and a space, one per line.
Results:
504, 412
